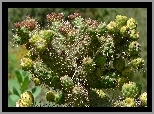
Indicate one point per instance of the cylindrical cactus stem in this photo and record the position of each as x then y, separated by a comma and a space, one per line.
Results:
127, 72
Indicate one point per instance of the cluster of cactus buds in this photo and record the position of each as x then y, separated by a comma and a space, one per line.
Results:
79, 57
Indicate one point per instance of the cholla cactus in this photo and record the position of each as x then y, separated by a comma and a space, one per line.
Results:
77, 59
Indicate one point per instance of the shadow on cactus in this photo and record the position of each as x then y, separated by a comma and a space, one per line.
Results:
80, 59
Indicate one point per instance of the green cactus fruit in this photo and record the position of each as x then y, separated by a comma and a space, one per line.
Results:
137, 62
26, 100
100, 60
143, 99
119, 63
37, 81
131, 89
121, 20
127, 72
134, 35
112, 27
26, 63
80, 96
50, 96
67, 83
134, 48
132, 23
129, 102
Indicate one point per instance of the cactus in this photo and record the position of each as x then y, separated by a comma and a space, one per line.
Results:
80, 59
127, 72
137, 62
119, 64
131, 89
134, 48
66, 83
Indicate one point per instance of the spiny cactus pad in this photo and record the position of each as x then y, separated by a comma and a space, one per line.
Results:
127, 72
119, 63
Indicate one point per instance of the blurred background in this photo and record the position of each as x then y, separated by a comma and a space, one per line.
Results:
102, 14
